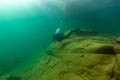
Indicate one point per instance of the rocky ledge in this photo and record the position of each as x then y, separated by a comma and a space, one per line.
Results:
83, 55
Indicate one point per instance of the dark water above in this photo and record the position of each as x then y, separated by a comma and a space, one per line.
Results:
26, 27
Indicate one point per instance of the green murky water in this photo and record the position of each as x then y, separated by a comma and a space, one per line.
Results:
27, 26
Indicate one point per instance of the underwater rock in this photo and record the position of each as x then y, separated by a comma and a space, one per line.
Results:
75, 58
117, 65
82, 59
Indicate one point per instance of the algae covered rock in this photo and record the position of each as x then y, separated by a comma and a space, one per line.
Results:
77, 57
83, 58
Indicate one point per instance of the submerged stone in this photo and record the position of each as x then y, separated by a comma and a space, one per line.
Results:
77, 57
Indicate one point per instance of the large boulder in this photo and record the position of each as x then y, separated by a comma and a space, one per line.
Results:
77, 57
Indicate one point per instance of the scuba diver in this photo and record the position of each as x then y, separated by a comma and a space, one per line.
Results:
58, 36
